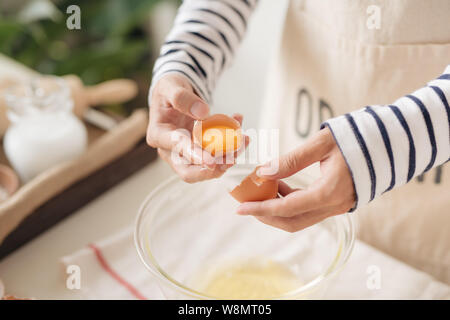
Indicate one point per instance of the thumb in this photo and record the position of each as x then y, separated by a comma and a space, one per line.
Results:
301, 157
187, 102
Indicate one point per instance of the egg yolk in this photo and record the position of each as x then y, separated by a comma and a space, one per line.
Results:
249, 280
220, 139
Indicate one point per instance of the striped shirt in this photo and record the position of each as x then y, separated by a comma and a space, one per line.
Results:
384, 146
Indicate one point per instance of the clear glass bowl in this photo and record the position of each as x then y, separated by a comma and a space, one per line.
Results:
190, 238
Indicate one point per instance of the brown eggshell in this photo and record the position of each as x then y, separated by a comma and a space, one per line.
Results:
213, 121
254, 188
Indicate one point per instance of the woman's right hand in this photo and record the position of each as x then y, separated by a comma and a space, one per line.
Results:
174, 107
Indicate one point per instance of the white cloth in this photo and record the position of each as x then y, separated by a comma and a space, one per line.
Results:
111, 269
120, 255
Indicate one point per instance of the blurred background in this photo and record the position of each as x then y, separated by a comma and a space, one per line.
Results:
117, 38
121, 39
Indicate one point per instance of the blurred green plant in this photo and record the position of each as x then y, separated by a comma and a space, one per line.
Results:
113, 42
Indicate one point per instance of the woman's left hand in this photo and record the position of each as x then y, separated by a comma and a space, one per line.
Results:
333, 193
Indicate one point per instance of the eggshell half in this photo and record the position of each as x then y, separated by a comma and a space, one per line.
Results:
254, 188
217, 120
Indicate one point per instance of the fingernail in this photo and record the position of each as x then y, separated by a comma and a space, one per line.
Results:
241, 210
265, 170
197, 157
199, 110
208, 168
209, 162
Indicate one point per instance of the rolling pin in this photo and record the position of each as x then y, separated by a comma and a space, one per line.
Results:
84, 97
112, 91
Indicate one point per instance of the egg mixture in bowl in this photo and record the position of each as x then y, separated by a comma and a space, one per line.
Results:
190, 238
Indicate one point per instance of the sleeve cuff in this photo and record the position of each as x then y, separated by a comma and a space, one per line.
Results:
199, 87
351, 131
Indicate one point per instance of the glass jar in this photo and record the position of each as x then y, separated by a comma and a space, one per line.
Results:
43, 131
191, 240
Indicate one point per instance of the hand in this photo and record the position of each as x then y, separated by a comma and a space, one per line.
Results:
333, 193
173, 109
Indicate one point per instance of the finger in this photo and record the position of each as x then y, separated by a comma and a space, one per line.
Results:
230, 159
179, 141
238, 117
194, 154
284, 189
303, 156
187, 102
188, 172
293, 204
179, 93
246, 143
297, 223
229, 163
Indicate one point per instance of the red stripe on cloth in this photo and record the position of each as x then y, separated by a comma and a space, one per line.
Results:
101, 259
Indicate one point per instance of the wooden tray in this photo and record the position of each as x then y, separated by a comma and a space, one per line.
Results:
130, 156
111, 156
76, 196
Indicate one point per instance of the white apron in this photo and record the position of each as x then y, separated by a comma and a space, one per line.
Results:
332, 60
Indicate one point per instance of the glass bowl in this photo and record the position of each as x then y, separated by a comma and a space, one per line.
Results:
190, 238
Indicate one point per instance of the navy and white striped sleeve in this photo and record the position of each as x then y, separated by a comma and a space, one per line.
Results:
202, 42
386, 146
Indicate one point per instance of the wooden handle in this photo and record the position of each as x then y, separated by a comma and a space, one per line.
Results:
113, 91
